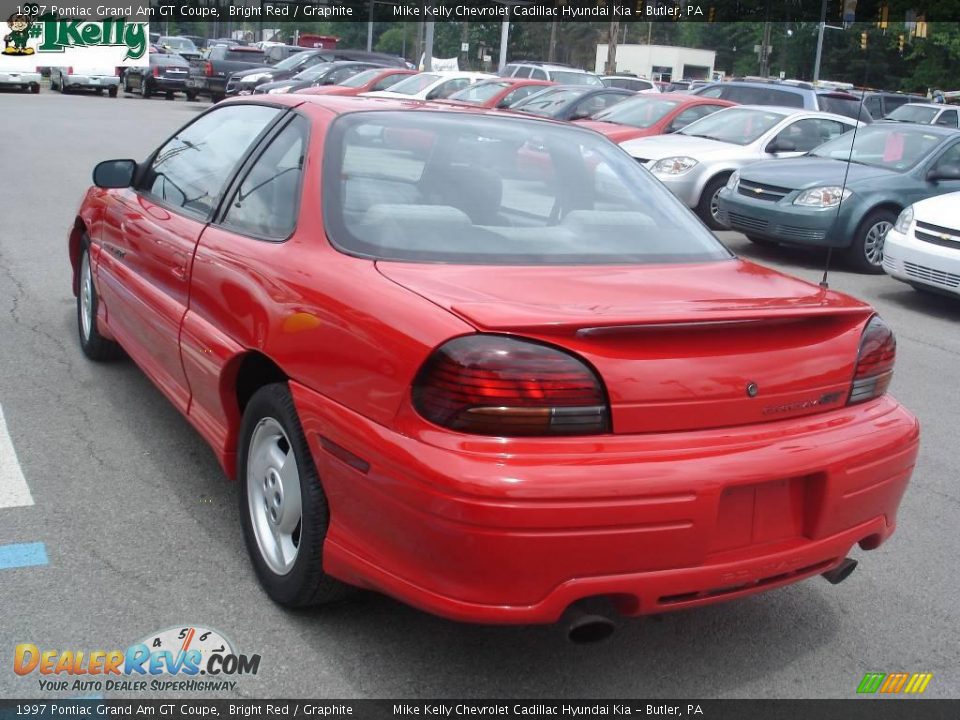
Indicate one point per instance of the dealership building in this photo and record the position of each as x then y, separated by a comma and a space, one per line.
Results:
660, 62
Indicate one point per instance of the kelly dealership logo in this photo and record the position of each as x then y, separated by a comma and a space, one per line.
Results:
35, 29
190, 658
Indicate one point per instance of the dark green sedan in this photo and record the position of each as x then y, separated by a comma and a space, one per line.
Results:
846, 193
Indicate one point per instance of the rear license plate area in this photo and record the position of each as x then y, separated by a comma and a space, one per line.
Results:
764, 513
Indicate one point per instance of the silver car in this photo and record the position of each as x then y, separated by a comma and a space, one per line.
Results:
696, 162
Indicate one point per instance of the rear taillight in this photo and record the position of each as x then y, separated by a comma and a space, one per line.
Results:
70, 70
208, 68
497, 385
156, 71
874, 370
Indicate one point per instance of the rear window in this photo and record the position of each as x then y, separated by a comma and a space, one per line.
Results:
414, 84
565, 77
479, 93
443, 187
914, 113
844, 105
762, 96
243, 55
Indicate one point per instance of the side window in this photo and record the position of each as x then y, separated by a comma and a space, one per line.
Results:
948, 118
691, 114
522, 72
389, 81
519, 94
538, 74
267, 200
448, 88
873, 105
190, 171
950, 158
804, 135
714, 92
338, 76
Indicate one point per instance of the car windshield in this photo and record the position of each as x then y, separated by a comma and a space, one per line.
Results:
640, 112
313, 72
179, 43
894, 147
443, 187
566, 77
479, 93
361, 78
739, 126
414, 84
293, 62
914, 114
545, 103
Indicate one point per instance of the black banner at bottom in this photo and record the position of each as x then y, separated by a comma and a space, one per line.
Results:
857, 709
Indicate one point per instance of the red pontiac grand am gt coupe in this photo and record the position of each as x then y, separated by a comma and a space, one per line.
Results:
487, 364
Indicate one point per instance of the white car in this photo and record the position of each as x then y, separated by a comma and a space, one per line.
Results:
923, 247
66, 79
696, 162
629, 82
431, 85
20, 80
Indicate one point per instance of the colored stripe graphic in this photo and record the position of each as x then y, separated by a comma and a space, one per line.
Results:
892, 683
871, 682
22, 555
13, 487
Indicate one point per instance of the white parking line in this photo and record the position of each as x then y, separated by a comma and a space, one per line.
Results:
13, 486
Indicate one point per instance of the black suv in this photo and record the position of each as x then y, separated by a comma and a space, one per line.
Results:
787, 93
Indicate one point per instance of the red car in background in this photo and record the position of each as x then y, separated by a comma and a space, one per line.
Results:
500, 92
493, 388
651, 114
366, 81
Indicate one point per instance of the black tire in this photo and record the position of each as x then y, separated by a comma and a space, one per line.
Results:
863, 255
126, 85
762, 242
113, 91
168, 95
94, 345
34, 88
145, 91
706, 206
98, 91
304, 583
191, 95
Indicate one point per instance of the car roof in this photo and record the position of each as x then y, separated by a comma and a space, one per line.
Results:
790, 111
938, 106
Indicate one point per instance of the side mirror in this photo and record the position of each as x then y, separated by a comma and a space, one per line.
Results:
114, 173
778, 145
945, 172
580, 115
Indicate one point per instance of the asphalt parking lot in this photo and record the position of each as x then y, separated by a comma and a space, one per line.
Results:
140, 529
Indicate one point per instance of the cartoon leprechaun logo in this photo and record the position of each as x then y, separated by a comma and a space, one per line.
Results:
15, 42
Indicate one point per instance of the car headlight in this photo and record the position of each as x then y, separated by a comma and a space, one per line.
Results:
734, 180
274, 91
903, 220
673, 165
259, 77
822, 197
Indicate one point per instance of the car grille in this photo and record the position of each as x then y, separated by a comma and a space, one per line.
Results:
946, 237
794, 232
759, 191
742, 222
937, 277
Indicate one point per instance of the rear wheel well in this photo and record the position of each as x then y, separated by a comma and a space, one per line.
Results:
255, 371
75, 246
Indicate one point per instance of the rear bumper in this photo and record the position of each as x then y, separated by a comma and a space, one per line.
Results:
91, 81
167, 84
485, 530
25, 79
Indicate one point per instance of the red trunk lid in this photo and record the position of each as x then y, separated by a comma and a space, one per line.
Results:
678, 346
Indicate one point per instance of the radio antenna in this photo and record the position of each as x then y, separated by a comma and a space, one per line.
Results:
846, 171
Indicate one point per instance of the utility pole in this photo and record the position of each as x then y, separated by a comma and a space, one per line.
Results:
370, 29
465, 39
504, 38
823, 26
428, 49
765, 50
552, 51
612, 39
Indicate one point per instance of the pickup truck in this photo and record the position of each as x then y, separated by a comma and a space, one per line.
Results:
208, 75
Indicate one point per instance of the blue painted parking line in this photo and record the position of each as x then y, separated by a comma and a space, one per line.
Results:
22, 555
